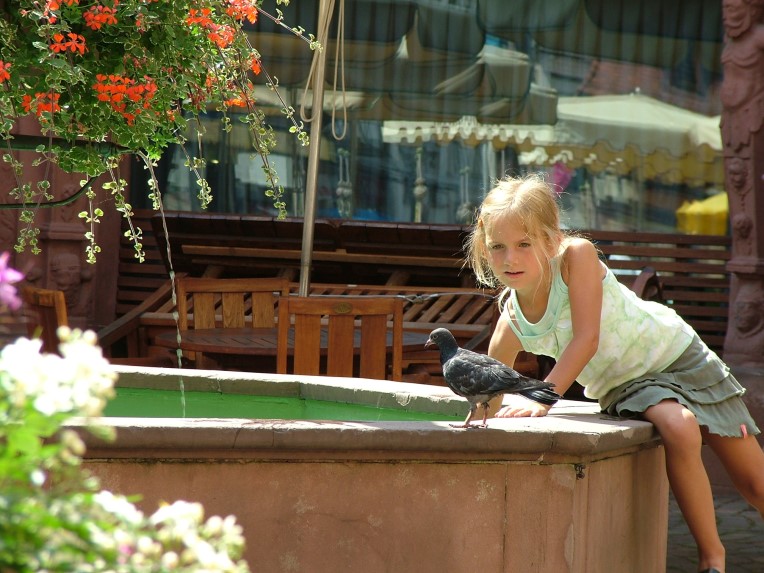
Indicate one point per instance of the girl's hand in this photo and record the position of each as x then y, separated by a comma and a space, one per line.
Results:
520, 407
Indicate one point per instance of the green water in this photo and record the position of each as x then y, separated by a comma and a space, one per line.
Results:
150, 403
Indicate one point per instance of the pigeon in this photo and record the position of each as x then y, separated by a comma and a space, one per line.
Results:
477, 377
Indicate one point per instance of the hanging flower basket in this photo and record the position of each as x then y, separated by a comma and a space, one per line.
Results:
133, 74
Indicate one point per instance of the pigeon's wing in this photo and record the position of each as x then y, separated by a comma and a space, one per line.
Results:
470, 374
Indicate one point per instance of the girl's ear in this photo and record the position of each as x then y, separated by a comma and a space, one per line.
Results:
480, 235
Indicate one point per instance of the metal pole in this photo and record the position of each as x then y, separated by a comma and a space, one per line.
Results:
309, 212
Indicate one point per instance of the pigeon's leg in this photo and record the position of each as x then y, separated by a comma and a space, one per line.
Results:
485, 406
466, 423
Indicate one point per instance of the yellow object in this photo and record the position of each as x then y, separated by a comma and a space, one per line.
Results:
681, 217
707, 217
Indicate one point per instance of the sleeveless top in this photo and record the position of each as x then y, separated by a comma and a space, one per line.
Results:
637, 337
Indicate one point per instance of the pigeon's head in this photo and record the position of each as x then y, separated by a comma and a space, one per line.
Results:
442, 338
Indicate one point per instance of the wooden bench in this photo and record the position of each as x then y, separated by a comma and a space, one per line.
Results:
692, 271
344, 252
138, 280
422, 263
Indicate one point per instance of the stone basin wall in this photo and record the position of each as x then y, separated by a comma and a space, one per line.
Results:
573, 491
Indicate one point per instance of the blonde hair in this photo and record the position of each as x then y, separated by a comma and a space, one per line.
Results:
532, 201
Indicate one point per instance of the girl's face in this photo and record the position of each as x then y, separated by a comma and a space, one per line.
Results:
514, 258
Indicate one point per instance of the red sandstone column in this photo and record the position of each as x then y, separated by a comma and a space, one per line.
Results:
90, 295
742, 97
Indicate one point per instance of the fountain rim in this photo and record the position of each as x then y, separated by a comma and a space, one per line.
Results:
572, 429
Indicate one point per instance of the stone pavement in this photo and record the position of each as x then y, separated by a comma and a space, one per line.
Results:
740, 526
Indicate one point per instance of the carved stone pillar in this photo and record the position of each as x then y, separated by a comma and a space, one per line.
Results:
67, 270
61, 264
742, 97
90, 294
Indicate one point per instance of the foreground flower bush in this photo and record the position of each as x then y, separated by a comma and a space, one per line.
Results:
105, 78
52, 515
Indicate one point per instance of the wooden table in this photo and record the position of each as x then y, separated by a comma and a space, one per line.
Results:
218, 343
244, 341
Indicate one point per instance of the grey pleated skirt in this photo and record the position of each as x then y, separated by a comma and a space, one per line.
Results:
698, 380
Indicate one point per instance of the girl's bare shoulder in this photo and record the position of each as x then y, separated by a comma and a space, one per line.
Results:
579, 253
578, 247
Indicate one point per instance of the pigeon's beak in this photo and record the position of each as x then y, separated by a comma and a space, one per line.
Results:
429, 343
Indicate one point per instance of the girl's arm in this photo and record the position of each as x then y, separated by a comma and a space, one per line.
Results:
505, 346
583, 273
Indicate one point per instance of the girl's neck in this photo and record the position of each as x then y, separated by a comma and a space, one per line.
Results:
533, 301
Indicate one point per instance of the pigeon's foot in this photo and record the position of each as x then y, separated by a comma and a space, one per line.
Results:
468, 426
467, 420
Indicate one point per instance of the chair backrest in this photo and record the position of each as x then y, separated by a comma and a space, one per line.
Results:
229, 303
648, 285
377, 320
47, 312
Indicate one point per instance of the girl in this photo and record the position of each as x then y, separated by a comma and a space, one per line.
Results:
637, 358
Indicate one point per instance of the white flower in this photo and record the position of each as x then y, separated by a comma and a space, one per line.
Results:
179, 515
72, 441
146, 546
214, 526
20, 378
38, 477
170, 560
79, 382
120, 506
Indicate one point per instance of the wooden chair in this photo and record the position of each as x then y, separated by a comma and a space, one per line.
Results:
648, 285
228, 303
341, 316
47, 311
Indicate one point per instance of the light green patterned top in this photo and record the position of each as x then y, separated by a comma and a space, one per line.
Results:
636, 336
